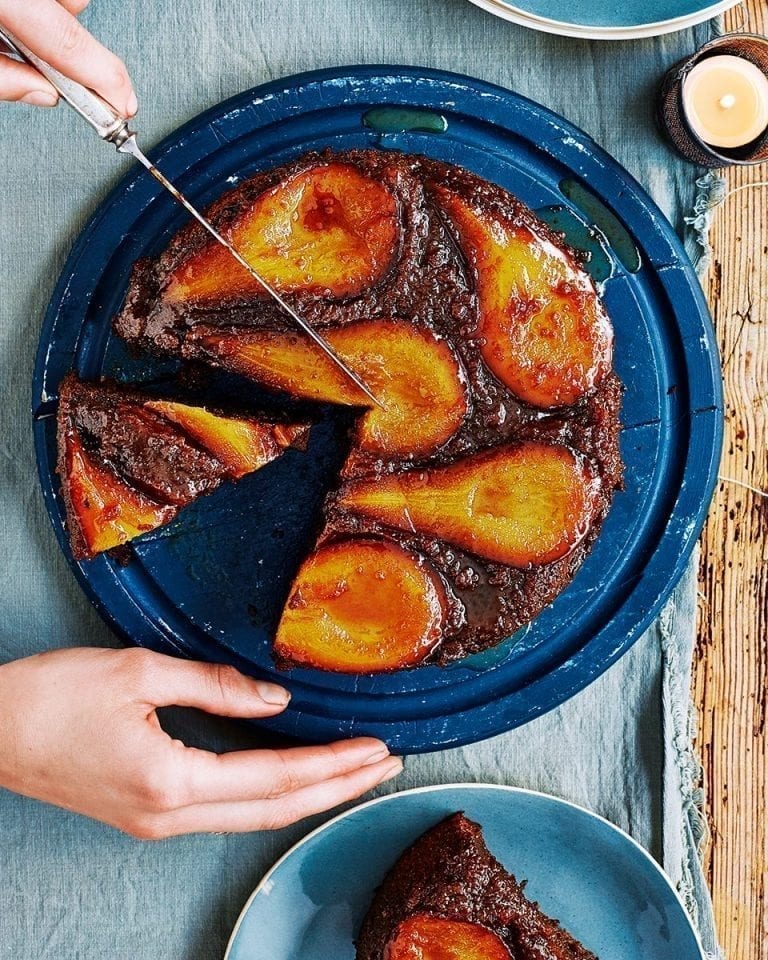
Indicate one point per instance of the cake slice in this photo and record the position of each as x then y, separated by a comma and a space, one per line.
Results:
448, 898
128, 461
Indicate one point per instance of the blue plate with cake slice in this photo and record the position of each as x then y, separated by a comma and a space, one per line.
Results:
475, 869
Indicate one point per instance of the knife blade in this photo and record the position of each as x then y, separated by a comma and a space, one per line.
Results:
114, 128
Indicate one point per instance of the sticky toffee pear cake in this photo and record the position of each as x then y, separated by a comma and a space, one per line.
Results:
448, 898
128, 461
472, 494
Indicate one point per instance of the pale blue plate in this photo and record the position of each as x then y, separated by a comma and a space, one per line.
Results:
602, 886
606, 19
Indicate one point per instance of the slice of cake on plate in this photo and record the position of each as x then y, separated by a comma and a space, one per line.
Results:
448, 898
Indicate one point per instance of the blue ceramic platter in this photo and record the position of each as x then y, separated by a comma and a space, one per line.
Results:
598, 882
211, 584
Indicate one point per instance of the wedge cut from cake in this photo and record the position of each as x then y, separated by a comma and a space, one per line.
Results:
129, 461
471, 495
448, 898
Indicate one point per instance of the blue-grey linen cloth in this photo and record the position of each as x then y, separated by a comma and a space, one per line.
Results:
74, 889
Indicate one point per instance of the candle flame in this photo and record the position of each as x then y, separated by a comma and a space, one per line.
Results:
727, 101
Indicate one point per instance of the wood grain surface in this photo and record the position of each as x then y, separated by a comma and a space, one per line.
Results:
730, 672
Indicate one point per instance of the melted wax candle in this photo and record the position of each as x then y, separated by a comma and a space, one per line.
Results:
725, 99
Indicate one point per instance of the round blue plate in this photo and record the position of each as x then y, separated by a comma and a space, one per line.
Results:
597, 881
606, 19
211, 585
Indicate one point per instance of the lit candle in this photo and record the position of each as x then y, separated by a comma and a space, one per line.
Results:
725, 99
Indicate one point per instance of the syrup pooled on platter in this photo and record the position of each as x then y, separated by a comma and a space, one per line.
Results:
478, 488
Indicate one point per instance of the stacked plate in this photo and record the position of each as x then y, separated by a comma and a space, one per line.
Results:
606, 19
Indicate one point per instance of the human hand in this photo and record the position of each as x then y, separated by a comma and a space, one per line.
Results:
50, 29
78, 729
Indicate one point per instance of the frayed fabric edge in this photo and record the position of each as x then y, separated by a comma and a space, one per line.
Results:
683, 780
710, 193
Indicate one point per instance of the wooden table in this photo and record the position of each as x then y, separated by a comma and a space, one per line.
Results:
731, 668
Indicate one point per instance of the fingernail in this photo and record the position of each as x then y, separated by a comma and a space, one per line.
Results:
380, 753
40, 98
133, 104
271, 693
391, 770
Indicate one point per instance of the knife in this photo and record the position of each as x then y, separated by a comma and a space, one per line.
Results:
114, 129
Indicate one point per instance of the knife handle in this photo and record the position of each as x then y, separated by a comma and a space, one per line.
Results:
104, 119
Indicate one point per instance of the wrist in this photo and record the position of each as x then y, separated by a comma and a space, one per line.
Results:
9, 732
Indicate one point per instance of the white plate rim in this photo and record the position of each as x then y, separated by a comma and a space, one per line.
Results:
639, 31
433, 788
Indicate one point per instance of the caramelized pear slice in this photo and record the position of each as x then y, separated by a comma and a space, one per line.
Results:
424, 937
328, 230
522, 505
108, 512
361, 606
416, 378
544, 331
240, 444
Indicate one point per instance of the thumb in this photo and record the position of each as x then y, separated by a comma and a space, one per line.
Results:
213, 687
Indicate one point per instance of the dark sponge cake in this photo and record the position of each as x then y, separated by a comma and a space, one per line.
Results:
129, 461
449, 874
471, 496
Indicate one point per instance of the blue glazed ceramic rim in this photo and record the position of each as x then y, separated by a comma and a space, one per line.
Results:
394, 798
442, 719
593, 29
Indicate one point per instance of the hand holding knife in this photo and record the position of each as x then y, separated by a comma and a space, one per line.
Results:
114, 128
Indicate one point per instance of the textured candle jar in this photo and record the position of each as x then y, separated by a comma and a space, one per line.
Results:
714, 106
725, 99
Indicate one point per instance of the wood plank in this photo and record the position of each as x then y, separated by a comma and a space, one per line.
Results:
731, 668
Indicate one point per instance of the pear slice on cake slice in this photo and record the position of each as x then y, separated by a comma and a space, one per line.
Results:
544, 332
426, 937
521, 505
329, 230
128, 462
416, 377
447, 898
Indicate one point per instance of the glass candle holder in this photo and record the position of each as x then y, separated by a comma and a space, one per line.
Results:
684, 129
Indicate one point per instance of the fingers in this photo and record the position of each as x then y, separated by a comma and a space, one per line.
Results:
74, 7
161, 681
244, 816
23, 83
48, 29
267, 774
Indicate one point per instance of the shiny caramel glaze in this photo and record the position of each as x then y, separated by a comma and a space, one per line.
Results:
449, 875
416, 375
328, 229
330, 623
503, 357
424, 937
524, 505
